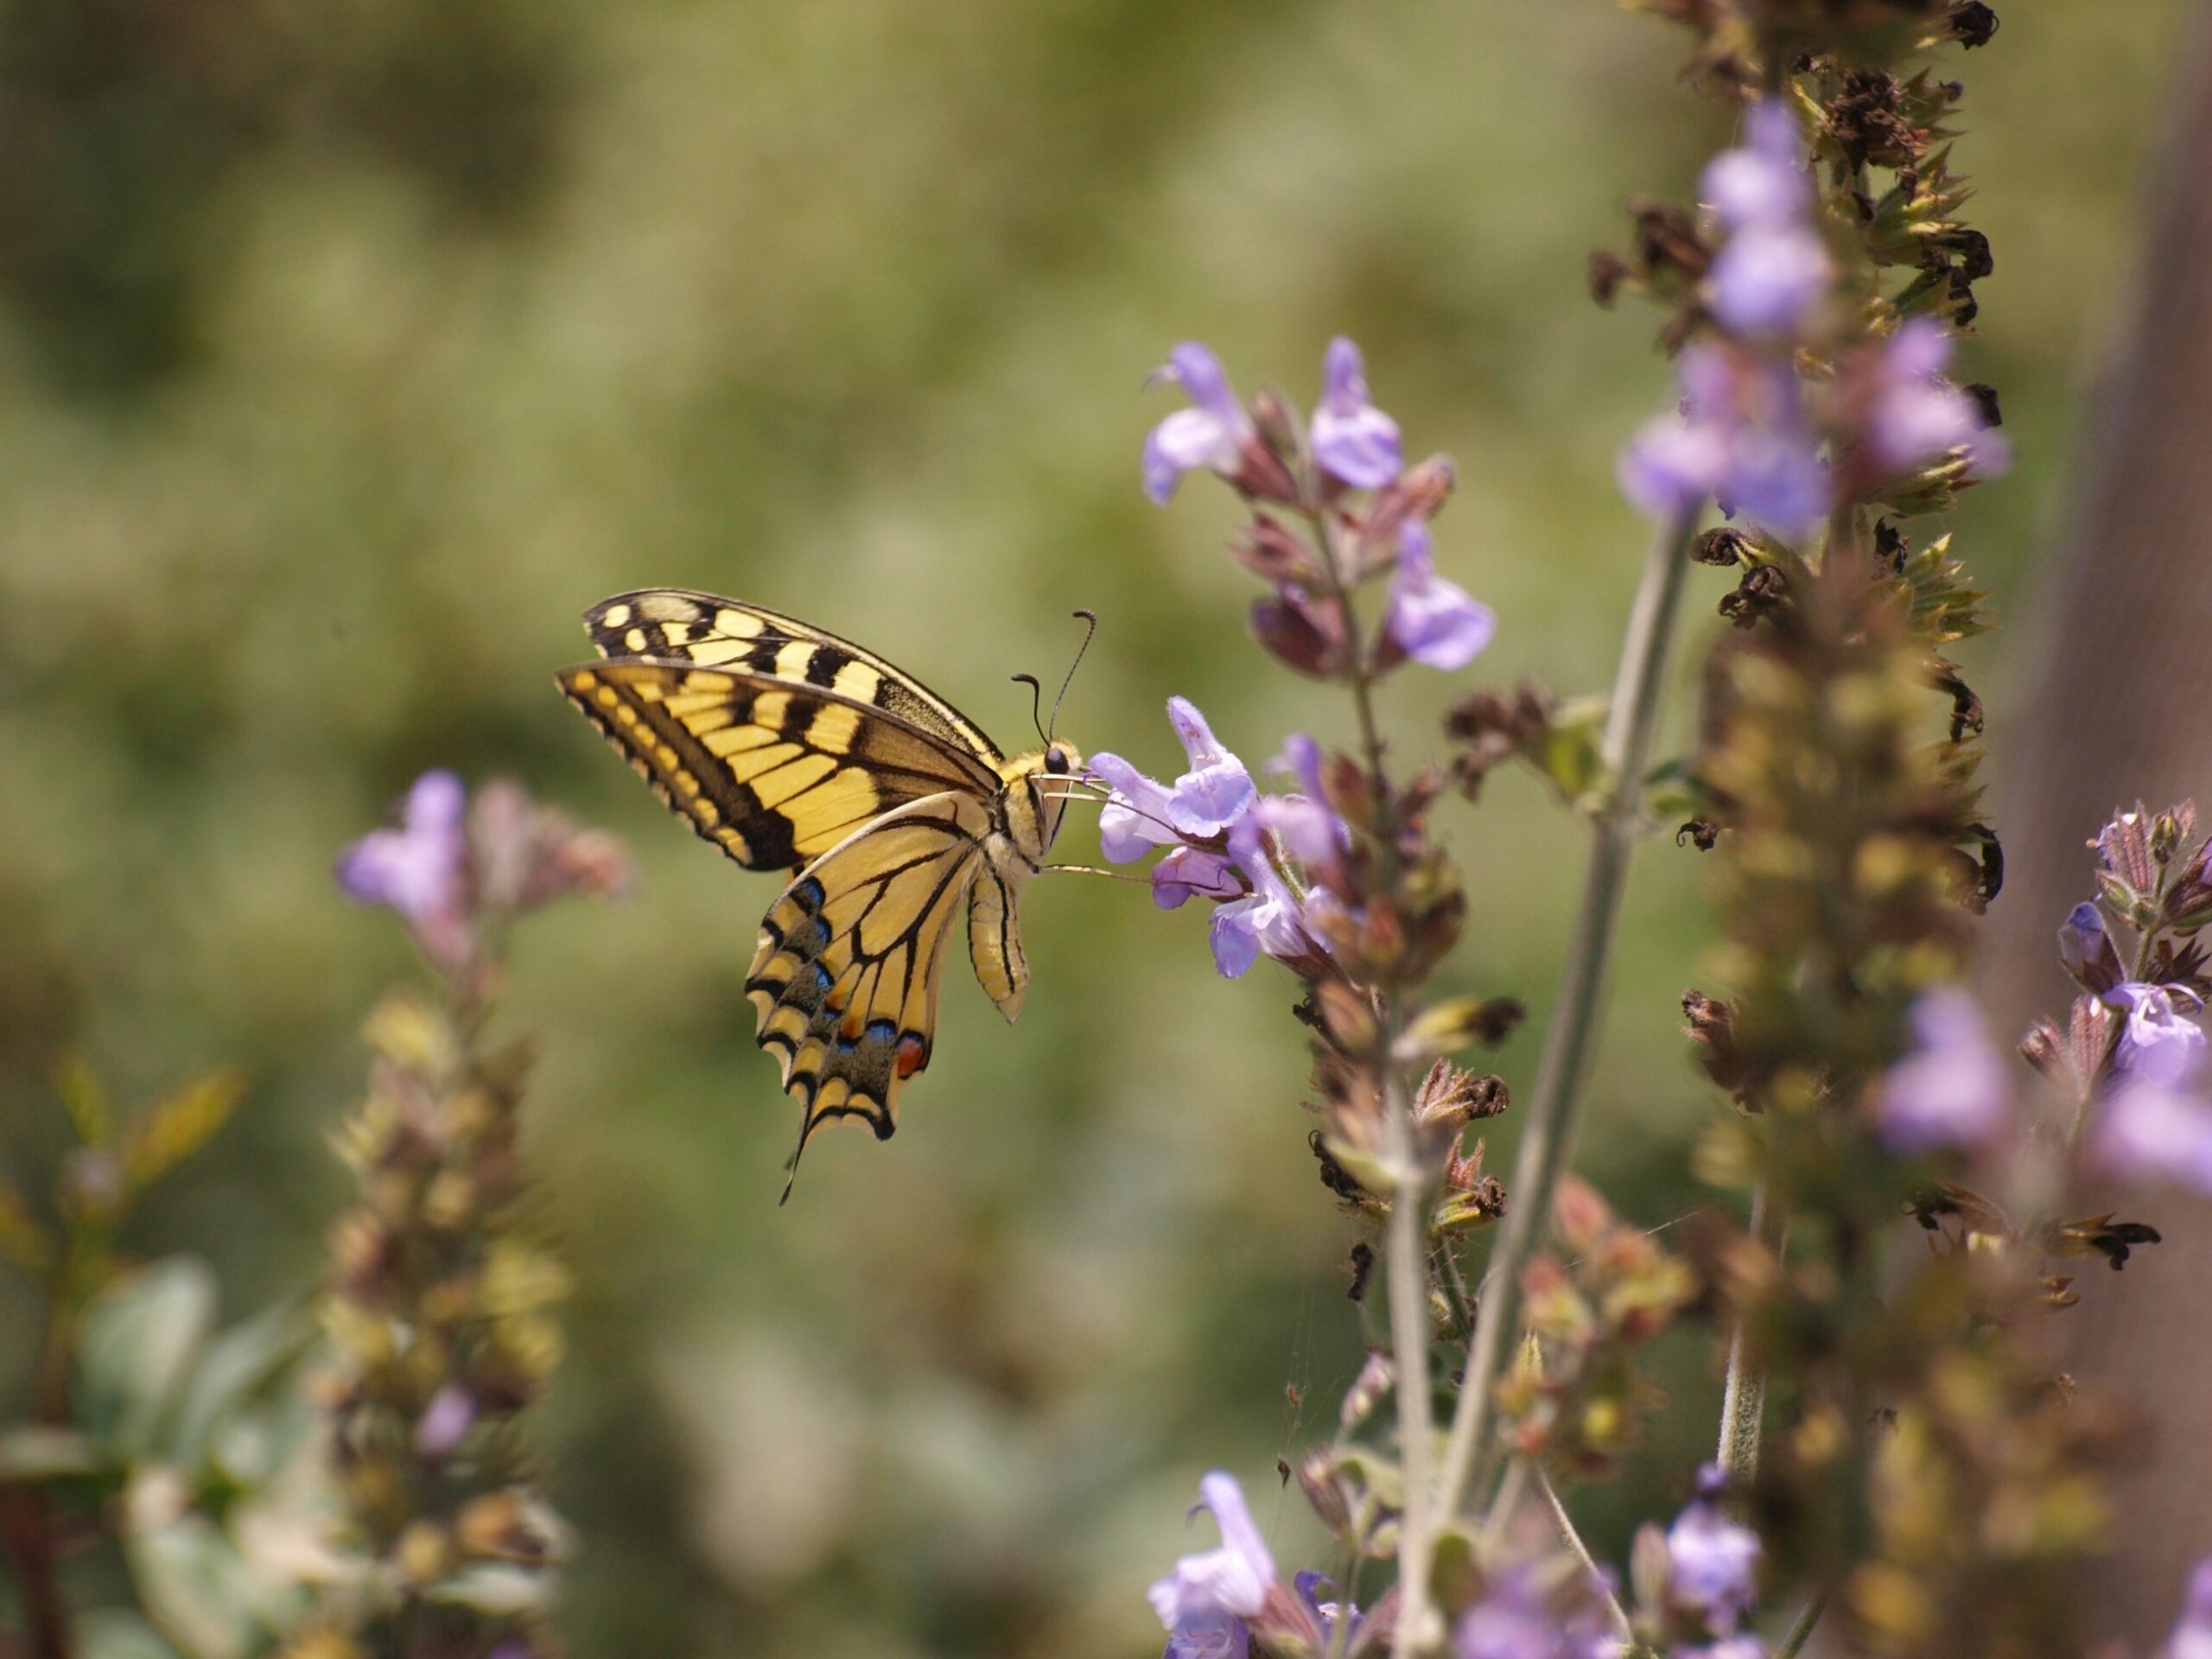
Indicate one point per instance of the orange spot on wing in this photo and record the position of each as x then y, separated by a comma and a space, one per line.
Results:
913, 1054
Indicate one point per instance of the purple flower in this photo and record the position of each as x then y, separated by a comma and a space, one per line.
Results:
1774, 265
444, 1421
1739, 437
2159, 1046
2152, 1132
1141, 813
1768, 276
1766, 181
1268, 919
1952, 1092
1188, 873
1745, 1646
1212, 432
1314, 836
1326, 1614
1204, 1600
1916, 415
418, 870
1433, 621
2192, 1632
1712, 1564
2088, 950
1513, 1621
1352, 440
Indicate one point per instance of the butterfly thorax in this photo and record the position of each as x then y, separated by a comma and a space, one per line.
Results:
1031, 804
1025, 818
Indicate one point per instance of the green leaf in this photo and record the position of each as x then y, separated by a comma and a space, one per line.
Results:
190, 1576
22, 1241
179, 1126
111, 1633
1567, 752
137, 1343
34, 1452
86, 1102
230, 1370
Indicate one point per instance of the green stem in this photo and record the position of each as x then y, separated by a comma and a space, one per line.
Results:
1743, 1402
1550, 1132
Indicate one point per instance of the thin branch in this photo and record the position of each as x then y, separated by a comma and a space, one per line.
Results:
1550, 1132
1800, 1627
1616, 1615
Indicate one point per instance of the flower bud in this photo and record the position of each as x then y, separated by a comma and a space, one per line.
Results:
2088, 950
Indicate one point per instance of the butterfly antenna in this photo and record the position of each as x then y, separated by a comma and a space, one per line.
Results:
1090, 631
1036, 703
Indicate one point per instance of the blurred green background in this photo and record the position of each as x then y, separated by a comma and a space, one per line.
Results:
351, 349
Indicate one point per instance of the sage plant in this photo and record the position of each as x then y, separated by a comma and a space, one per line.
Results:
1905, 1185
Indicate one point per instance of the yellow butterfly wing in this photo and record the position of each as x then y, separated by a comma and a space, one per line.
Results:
773, 773
845, 978
682, 625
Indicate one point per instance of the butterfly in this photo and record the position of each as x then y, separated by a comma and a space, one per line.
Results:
792, 749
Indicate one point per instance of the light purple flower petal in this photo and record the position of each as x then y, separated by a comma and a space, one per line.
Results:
1217, 789
1192, 871
2192, 1632
1212, 432
1230, 1582
2085, 948
1134, 821
1434, 621
1916, 415
1671, 466
444, 1421
2160, 1044
417, 869
1309, 1585
1225, 1638
1766, 181
1352, 440
1769, 277
2148, 1132
1953, 1090
1514, 1620
1712, 1563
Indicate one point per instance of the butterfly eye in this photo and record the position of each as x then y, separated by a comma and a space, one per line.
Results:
1056, 763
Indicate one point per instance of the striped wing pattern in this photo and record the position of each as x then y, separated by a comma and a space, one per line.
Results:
845, 978
715, 632
772, 773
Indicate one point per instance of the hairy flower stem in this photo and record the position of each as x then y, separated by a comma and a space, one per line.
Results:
1406, 1253
1549, 1131
1743, 1403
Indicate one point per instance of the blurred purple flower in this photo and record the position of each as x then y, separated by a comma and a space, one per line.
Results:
2192, 1632
1740, 437
1433, 621
1267, 920
2153, 1132
1952, 1091
1712, 1562
1745, 1646
1141, 813
1768, 276
1765, 181
419, 869
1513, 1621
445, 1421
1916, 415
1204, 1600
1774, 264
2159, 1046
1212, 432
2087, 950
1352, 440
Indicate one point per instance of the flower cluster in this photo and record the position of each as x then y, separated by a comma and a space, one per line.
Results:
2132, 1060
439, 1310
1698, 1580
458, 873
1218, 1602
1750, 434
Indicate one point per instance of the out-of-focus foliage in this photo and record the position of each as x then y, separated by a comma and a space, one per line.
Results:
352, 350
